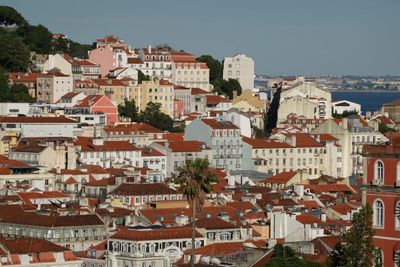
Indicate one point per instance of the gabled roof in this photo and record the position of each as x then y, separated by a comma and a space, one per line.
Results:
280, 178
89, 101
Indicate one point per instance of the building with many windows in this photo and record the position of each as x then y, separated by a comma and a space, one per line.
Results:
241, 68
382, 191
222, 137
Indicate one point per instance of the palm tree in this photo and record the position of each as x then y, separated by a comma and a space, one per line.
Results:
195, 180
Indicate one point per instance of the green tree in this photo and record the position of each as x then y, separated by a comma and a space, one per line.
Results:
229, 87
38, 38
15, 93
14, 54
129, 110
78, 50
285, 256
195, 182
9, 16
338, 257
142, 77
358, 249
152, 115
215, 67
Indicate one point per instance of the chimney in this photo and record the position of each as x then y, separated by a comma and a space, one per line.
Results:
58, 170
234, 94
149, 50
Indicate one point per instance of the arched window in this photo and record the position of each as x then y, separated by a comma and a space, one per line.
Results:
378, 213
379, 169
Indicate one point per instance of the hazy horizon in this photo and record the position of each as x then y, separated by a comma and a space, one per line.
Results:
286, 37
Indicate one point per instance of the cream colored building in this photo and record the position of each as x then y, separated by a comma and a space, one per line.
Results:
192, 74
157, 92
116, 90
52, 86
309, 155
240, 68
305, 99
352, 134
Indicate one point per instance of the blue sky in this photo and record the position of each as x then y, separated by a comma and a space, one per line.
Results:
286, 37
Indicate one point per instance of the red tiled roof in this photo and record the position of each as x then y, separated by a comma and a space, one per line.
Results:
325, 137
161, 234
173, 137
87, 145
329, 188
187, 146
90, 100
109, 82
214, 223
71, 180
151, 152
343, 209
304, 140
29, 218
309, 204
215, 99
225, 248
281, 178
102, 182
25, 245
134, 60
307, 219
265, 143
241, 205
198, 91
23, 77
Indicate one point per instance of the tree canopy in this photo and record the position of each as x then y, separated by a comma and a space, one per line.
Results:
14, 54
151, 115
357, 249
9, 16
142, 77
15, 93
285, 256
215, 67
16, 44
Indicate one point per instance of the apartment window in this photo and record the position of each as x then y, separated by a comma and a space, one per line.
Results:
378, 213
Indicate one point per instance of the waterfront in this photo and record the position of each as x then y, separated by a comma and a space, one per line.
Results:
369, 101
